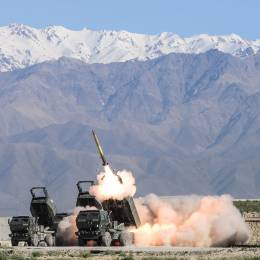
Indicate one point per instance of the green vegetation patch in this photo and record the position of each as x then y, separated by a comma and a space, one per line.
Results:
129, 257
248, 205
3, 256
85, 254
159, 258
36, 254
18, 257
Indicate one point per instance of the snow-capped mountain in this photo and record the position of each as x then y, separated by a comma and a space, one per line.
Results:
21, 45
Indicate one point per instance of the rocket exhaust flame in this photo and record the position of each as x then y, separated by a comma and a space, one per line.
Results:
110, 187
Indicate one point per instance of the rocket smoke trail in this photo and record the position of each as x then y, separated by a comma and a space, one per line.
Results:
182, 221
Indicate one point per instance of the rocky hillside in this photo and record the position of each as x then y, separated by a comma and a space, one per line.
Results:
183, 123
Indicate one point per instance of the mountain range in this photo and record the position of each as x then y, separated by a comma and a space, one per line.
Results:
22, 46
182, 123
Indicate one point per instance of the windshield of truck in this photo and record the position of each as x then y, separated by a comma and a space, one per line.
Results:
94, 216
91, 202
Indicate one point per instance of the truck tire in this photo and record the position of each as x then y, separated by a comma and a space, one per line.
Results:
49, 240
126, 238
42, 243
14, 242
106, 239
34, 240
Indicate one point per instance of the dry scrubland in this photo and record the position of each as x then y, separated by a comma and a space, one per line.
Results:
189, 253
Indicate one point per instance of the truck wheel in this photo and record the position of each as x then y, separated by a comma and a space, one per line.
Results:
49, 240
126, 238
42, 244
14, 242
106, 239
34, 240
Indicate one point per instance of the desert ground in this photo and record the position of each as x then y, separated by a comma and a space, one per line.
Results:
129, 253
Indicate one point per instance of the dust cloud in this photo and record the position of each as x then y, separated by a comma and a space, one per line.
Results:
190, 221
181, 221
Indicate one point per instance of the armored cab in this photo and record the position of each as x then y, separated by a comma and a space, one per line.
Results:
94, 225
23, 229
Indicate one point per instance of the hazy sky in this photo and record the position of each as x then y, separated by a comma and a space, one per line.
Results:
184, 17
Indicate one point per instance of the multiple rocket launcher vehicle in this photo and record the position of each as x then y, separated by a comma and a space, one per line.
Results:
39, 229
106, 223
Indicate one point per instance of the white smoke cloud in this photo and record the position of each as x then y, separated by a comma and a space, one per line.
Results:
110, 187
183, 221
190, 221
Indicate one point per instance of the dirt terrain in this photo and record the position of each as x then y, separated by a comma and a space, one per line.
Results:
129, 253
140, 253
